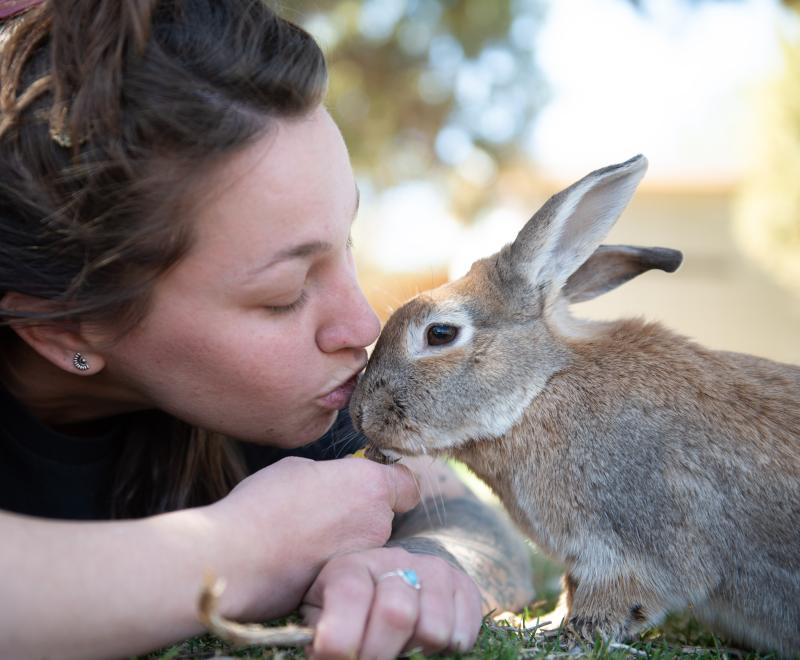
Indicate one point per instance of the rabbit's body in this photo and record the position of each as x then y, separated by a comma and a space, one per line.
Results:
676, 505
663, 474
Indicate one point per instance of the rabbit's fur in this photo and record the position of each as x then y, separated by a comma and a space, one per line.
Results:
662, 474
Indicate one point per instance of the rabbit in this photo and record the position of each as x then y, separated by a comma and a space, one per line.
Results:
663, 475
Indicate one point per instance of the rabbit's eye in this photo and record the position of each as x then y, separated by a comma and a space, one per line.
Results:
440, 334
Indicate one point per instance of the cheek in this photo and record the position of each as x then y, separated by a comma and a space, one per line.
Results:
227, 355
276, 363
248, 354
275, 374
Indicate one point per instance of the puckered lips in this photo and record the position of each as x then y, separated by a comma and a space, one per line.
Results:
339, 396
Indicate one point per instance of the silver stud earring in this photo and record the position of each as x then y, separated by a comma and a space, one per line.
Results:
79, 362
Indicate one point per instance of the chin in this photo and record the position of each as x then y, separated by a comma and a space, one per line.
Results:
296, 435
317, 428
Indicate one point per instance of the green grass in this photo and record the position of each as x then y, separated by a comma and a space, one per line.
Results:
681, 636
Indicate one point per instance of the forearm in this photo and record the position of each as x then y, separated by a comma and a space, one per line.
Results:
104, 589
474, 536
99, 589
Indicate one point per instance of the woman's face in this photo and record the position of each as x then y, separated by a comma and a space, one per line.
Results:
257, 332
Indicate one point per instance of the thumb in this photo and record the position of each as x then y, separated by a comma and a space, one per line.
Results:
404, 491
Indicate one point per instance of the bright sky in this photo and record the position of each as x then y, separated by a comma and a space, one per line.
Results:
675, 84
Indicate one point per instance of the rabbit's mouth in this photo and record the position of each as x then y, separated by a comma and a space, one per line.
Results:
383, 456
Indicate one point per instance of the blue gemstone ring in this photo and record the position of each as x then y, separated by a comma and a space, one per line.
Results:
408, 575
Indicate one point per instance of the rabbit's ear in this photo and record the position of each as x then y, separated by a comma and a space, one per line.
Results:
569, 227
613, 265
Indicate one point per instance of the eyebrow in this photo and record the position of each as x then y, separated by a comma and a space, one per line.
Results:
304, 249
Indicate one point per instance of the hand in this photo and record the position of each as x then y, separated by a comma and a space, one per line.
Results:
281, 525
357, 615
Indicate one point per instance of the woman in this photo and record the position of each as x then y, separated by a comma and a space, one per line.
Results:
175, 205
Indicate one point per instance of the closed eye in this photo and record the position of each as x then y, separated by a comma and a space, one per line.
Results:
291, 307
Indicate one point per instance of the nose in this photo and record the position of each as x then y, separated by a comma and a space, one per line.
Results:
350, 322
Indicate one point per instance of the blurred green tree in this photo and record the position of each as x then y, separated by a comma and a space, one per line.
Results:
421, 88
446, 90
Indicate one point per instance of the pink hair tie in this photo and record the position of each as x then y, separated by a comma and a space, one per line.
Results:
9, 8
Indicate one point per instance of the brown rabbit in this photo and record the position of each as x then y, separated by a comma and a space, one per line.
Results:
662, 474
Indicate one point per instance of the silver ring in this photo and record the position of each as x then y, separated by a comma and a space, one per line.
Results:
409, 576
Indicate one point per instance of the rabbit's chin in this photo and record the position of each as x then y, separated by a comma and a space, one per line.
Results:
380, 453
384, 456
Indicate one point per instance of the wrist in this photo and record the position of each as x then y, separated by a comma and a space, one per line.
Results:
264, 576
187, 545
228, 554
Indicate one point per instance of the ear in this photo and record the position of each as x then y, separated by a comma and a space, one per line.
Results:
56, 341
570, 226
613, 265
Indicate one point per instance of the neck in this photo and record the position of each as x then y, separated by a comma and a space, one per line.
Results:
56, 397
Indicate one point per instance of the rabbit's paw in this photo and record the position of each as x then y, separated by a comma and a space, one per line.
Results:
612, 610
589, 627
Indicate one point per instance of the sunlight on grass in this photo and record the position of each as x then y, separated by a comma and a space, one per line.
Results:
474, 483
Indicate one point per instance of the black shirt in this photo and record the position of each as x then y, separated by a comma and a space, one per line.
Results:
46, 473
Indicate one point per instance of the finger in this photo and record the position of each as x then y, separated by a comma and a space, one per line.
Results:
310, 614
403, 488
466, 615
434, 629
346, 600
395, 610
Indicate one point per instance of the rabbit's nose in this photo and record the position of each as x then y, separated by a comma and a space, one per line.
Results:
390, 405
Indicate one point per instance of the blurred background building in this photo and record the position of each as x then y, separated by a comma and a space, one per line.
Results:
463, 116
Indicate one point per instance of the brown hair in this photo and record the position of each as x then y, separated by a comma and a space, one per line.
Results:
111, 111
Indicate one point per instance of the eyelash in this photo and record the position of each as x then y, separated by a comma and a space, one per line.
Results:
297, 304
291, 307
